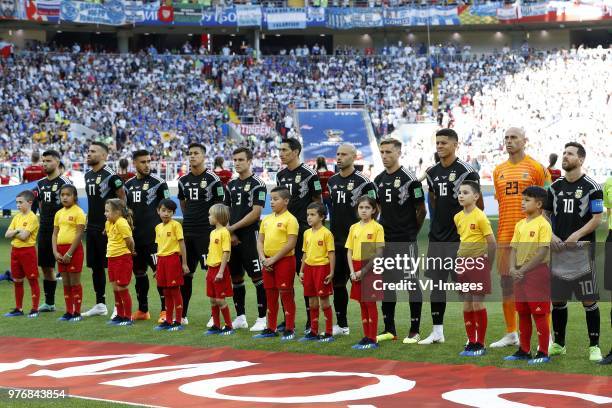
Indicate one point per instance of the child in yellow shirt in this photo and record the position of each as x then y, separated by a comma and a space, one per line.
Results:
218, 277
119, 251
23, 231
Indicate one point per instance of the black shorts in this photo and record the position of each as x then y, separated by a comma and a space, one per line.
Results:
45, 250
298, 247
146, 256
245, 258
197, 249
96, 249
437, 254
583, 288
341, 270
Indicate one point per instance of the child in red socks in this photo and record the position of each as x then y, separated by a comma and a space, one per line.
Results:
23, 231
119, 251
276, 247
218, 277
68, 226
171, 264
529, 269
476, 252
365, 241
317, 271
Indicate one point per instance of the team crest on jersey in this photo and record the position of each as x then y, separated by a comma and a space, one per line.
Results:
298, 178
145, 186
168, 234
320, 243
25, 224
472, 226
397, 183
98, 179
71, 218
370, 236
532, 234
54, 188
350, 185
216, 240
247, 187
525, 176
578, 193
280, 224
501, 177
203, 184
452, 176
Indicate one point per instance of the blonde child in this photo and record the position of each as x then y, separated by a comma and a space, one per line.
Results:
218, 277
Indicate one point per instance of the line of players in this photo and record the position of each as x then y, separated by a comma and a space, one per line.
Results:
400, 198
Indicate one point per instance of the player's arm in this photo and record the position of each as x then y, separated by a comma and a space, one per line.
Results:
421, 212
21, 234
121, 194
251, 218
302, 264
539, 258
181, 196
56, 253
129, 242
224, 260
349, 257
183, 250
491, 247
78, 236
117, 185
596, 209
315, 189
11, 232
288, 247
331, 255
260, 247
218, 192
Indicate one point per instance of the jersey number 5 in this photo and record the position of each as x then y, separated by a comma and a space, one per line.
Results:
387, 195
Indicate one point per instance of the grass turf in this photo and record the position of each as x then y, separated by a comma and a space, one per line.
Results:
94, 329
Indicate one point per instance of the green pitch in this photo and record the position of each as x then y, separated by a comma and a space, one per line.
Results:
95, 329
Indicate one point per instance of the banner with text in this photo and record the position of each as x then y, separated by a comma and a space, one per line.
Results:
285, 18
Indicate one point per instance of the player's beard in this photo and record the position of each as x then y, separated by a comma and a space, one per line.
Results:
568, 166
92, 162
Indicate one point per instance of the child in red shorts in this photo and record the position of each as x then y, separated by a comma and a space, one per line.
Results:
317, 272
529, 269
474, 257
119, 251
276, 246
171, 264
23, 231
218, 277
68, 227
365, 241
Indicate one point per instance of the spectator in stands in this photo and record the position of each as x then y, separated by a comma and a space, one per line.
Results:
34, 171
123, 171
552, 160
224, 174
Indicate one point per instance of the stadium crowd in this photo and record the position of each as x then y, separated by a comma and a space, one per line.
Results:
163, 102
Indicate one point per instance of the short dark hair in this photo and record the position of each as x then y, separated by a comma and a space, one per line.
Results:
552, 159
123, 163
104, 146
321, 210
370, 201
450, 133
581, 151
52, 153
140, 153
35, 157
392, 141
218, 161
72, 189
198, 146
474, 185
168, 203
245, 150
294, 144
282, 191
537, 193
27, 195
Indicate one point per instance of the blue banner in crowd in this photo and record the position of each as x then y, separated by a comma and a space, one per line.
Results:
285, 18
219, 17
323, 130
248, 16
112, 12
486, 9
408, 16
